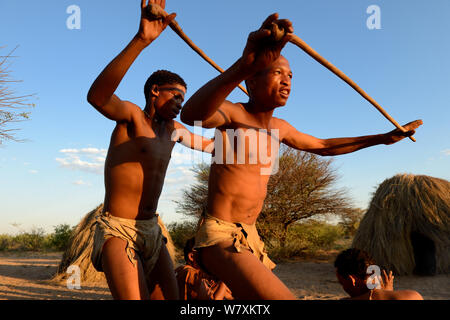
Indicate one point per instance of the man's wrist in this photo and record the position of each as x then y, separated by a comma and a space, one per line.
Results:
241, 71
140, 42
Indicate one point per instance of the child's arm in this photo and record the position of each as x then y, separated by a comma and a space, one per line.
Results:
220, 292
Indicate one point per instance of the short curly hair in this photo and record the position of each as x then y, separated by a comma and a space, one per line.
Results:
160, 78
353, 262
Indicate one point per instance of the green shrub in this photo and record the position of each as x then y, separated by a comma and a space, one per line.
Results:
319, 235
35, 240
180, 232
306, 239
59, 240
5, 242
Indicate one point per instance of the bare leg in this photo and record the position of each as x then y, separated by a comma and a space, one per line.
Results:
162, 283
243, 273
125, 281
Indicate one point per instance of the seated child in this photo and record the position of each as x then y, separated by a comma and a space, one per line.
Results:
195, 284
351, 270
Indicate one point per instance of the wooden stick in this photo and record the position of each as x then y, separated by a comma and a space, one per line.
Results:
310, 51
157, 12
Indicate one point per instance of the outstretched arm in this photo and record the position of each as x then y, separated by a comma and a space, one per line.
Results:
191, 140
101, 94
331, 147
208, 104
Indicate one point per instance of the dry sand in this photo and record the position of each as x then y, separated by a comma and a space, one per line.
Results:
26, 276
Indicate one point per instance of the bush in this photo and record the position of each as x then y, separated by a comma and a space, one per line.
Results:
35, 240
180, 232
5, 242
38, 240
319, 235
306, 239
59, 240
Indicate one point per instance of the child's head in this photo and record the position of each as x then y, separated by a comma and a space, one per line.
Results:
190, 253
351, 270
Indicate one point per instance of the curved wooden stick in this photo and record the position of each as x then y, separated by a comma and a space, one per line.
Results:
157, 12
277, 35
310, 51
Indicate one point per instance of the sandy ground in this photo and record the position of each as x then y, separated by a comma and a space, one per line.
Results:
26, 276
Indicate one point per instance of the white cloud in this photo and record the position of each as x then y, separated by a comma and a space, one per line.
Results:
446, 152
81, 183
182, 181
86, 159
85, 151
33, 171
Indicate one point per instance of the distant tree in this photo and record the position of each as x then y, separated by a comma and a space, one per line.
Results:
12, 106
303, 187
194, 198
350, 221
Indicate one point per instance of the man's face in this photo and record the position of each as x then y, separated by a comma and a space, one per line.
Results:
273, 84
169, 98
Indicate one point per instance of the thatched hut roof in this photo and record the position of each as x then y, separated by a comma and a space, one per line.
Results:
80, 249
402, 206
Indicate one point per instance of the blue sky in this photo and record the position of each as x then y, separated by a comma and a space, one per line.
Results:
56, 176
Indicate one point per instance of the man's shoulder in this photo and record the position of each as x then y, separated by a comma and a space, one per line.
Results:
135, 111
282, 126
279, 122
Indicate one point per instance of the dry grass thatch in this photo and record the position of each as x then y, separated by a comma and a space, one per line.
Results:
402, 205
80, 249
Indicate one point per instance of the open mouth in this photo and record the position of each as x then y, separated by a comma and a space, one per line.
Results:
284, 93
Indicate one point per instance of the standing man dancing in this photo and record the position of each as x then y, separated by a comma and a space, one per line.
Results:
128, 246
227, 239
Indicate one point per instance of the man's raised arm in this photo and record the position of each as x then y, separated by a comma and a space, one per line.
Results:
101, 94
258, 54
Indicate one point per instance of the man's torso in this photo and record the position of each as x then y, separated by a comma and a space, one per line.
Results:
135, 167
240, 172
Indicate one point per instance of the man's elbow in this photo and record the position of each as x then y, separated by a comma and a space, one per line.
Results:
91, 99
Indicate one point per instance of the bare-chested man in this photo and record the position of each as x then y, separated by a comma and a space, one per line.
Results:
229, 245
129, 246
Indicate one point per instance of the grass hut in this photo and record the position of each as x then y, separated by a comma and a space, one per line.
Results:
80, 249
407, 226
